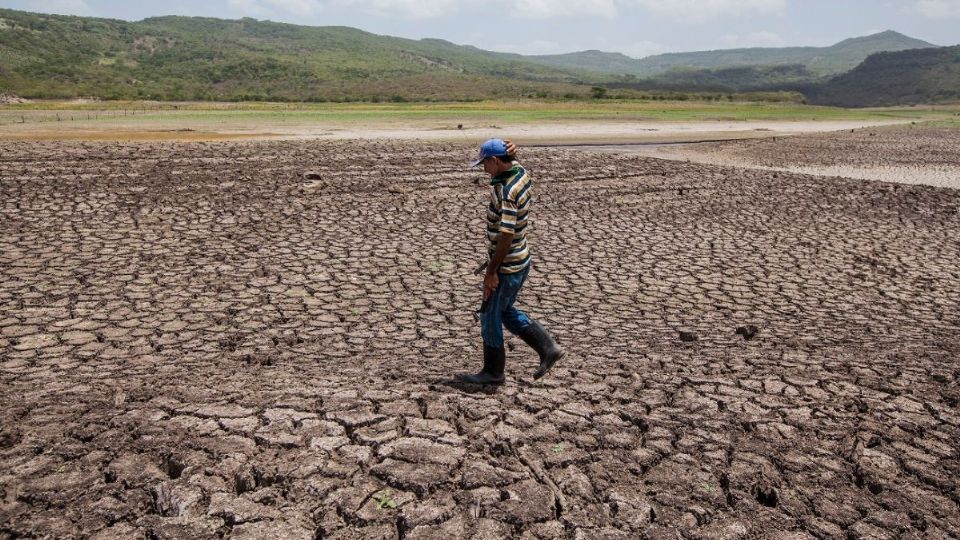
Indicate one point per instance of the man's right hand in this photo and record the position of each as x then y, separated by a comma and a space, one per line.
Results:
511, 148
490, 283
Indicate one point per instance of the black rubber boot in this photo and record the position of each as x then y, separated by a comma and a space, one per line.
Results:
538, 339
494, 360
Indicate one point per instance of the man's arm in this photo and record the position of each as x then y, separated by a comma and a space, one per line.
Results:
491, 279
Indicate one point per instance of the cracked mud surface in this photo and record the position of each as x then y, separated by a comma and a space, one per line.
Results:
196, 340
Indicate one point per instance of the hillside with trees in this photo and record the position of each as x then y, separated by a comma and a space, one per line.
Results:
898, 78
192, 58
820, 61
736, 79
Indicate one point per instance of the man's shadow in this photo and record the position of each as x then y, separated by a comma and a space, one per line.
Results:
456, 383
464, 387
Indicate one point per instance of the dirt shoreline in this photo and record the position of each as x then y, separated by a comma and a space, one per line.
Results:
545, 133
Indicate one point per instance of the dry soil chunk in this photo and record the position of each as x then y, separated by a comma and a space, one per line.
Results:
416, 450
224, 411
239, 509
411, 476
271, 529
527, 502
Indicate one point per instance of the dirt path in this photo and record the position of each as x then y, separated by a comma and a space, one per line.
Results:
197, 341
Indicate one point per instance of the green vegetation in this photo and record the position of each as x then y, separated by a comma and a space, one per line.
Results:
819, 61
384, 500
735, 79
884, 79
191, 58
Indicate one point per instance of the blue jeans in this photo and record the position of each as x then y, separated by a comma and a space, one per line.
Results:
500, 311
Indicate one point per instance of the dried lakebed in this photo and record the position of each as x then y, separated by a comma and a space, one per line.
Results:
197, 341
902, 154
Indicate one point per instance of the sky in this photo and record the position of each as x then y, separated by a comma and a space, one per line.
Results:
636, 28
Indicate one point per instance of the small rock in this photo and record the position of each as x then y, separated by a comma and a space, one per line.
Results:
748, 332
687, 336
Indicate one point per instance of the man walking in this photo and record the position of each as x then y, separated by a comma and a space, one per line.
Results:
508, 263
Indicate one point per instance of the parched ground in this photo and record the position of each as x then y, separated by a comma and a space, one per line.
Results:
198, 341
910, 154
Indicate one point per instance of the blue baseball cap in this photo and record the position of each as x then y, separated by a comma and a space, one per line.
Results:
491, 148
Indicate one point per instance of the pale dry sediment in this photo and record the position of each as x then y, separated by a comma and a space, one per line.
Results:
902, 154
112, 127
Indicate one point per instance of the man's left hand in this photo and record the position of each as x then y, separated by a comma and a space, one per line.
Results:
490, 284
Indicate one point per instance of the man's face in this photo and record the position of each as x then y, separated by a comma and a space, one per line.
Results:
490, 166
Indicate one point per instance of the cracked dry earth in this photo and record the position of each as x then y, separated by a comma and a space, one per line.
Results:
198, 341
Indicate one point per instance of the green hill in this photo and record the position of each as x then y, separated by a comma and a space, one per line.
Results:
593, 61
736, 79
895, 78
819, 60
176, 58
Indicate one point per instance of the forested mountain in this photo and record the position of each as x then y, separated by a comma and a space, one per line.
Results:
897, 78
203, 58
735, 79
820, 61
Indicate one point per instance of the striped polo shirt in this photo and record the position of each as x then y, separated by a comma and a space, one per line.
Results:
509, 206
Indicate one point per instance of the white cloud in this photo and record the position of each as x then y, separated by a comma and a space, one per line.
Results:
684, 10
296, 7
433, 9
264, 8
939, 9
62, 7
681, 10
560, 8
640, 49
753, 39
533, 9
540, 46
246, 7
698, 11
406, 9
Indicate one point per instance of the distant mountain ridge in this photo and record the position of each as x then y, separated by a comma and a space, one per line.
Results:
733, 79
831, 60
894, 78
197, 58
